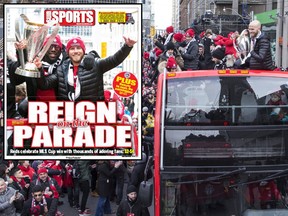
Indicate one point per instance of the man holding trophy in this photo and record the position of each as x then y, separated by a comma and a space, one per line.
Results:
53, 58
35, 42
260, 54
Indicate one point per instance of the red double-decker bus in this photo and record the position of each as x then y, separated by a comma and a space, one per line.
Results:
221, 143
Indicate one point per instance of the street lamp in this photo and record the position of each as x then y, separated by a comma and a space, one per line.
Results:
224, 9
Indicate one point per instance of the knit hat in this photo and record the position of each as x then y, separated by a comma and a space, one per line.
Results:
131, 188
170, 46
171, 63
230, 34
145, 109
170, 29
178, 37
218, 53
202, 34
158, 52
42, 170
190, 33
77, 41
56, 41
146, 55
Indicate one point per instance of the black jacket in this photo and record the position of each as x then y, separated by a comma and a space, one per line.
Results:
104, 181
261, 57
136, 208
191, 56
31, 83
91, 79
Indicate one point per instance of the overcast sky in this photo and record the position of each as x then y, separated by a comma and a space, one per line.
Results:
163, 13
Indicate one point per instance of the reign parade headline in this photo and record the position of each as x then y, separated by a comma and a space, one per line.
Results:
73, 131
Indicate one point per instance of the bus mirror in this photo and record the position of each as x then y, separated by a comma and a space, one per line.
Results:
145, 193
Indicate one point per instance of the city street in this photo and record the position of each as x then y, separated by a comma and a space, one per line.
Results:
91, 203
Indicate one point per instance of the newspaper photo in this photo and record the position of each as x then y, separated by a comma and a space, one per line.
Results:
72, 81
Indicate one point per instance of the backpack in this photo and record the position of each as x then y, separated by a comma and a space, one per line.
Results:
76, 173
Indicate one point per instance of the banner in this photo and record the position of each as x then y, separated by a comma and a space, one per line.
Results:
80, 106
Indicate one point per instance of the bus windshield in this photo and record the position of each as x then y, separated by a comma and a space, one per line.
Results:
227, 101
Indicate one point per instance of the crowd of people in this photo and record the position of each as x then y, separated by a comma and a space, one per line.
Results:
38, 188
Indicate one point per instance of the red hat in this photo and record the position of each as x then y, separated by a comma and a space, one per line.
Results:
190, 33
42, 170
146, 55
230, 34
171, 63
158, 52
178, 37
77, 41
202, 34
170, 29
56, 41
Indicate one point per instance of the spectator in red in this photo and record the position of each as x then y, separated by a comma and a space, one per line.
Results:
190, 52
55, 170
27, 170
38, 204
50, 185
170, 64
229, 46
19, 182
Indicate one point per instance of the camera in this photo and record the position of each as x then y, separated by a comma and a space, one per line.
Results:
27, 180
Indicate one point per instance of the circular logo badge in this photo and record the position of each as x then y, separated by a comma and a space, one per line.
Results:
125, 84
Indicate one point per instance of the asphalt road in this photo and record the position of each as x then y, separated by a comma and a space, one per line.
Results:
91, 203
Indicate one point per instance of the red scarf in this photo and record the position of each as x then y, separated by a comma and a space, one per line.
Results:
38, 208
23, 168
21, 183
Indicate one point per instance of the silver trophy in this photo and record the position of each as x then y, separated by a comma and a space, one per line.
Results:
34, 34
242, 45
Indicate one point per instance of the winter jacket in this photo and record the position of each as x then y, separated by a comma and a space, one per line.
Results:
136, 208
27, 171
31, 83
261, 57
104, 181
84, 170
5, 207
191, 56
91, 79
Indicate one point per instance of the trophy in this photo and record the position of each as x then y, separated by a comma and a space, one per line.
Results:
34, 34
242, 45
